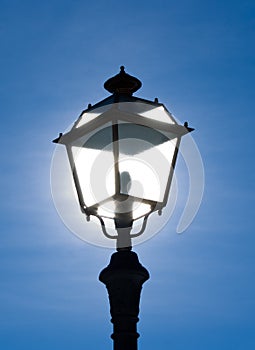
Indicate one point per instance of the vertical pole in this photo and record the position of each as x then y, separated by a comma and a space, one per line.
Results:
123, 225
124, 277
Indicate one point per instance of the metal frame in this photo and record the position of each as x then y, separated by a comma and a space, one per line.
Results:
114, 115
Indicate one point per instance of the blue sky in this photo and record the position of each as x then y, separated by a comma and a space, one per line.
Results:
197, 57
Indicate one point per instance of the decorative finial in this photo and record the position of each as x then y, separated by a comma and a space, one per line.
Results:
186, 125
122, 83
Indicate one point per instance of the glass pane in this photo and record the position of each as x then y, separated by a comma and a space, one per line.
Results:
137, 132
100, 139
94, 168
95, 178
145, 174
91, 115
147, 110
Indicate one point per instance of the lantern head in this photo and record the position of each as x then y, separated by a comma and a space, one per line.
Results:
122, 152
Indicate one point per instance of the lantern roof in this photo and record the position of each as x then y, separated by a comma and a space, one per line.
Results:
122, 106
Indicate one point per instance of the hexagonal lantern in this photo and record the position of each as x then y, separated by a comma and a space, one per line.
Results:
122, 153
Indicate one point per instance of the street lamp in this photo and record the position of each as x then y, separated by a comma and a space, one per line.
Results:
122, 152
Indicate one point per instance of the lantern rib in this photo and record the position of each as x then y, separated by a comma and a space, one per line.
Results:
107, 235
133, 235
137, 234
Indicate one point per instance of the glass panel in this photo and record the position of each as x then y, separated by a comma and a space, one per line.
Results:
91, 115
137, 132
145, 174
147, 110
96, 181
100, 139
94, 168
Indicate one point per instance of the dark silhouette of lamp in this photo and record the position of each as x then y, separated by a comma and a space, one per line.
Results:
111, 150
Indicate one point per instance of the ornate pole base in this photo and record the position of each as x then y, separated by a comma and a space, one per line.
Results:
124, 277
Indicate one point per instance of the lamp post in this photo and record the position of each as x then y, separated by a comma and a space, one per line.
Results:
115, 148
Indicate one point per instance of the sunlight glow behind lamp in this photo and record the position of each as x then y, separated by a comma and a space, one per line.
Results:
122, 152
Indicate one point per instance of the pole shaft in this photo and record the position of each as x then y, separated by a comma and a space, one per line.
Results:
124, 277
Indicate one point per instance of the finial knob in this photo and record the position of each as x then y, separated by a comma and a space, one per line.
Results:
122, 83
